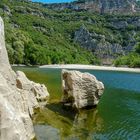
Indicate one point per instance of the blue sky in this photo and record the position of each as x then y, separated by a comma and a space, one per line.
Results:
52, 1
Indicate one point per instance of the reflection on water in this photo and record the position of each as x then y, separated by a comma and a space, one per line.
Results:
85, 124
117, 116
67, 124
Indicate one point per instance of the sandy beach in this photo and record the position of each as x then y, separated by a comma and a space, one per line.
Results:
91, 67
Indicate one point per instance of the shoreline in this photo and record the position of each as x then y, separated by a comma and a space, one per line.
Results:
91, 67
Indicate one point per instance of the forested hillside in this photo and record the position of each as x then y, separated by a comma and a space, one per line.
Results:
36, 35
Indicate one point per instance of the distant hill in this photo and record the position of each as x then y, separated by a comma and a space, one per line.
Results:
37, 34
101, 6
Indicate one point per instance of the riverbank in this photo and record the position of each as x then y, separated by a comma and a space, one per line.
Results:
91, 67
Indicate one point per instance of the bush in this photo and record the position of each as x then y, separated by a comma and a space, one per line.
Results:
131, 60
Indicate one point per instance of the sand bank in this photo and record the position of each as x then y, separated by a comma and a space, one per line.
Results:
92, 67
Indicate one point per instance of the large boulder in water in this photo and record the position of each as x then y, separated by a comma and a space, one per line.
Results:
37, 93
18, 99
80, 90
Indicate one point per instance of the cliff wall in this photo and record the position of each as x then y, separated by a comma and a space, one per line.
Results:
19, 97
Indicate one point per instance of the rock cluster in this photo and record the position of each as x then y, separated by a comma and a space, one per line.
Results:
80, 90
19, 99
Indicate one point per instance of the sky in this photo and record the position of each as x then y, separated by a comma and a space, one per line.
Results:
52, 1
55, 1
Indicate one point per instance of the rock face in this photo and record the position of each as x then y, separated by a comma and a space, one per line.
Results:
19, 97
98, 44
85, 38
101, 6
80, 90
7, 10
37, 93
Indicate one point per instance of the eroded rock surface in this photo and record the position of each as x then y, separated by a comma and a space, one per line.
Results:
101, 6
18, 99
37, 93
99, 45
80, 90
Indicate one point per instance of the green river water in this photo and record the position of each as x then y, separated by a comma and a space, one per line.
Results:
117, 116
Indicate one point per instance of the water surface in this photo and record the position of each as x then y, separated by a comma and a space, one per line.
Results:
117, 116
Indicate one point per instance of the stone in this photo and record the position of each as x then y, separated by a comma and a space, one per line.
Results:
38, 93
14, 117
19, 99
80, 90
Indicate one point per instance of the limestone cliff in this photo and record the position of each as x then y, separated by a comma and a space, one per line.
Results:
102, 6
99, 46
18, 99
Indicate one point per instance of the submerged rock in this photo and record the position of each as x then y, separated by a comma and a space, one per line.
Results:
80, 90
19, 97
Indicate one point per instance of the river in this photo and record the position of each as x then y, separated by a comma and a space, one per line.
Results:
117, 116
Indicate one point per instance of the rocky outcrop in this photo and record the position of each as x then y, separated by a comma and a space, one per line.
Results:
28, 10
113, 6
86, 39
19, 97
80, 90
108, 52
101, 6
97, 43
14, 117
7, 10
37, 93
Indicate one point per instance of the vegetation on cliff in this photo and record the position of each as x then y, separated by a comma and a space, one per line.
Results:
37, 35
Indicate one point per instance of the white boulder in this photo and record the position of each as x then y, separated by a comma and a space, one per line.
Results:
80, 90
